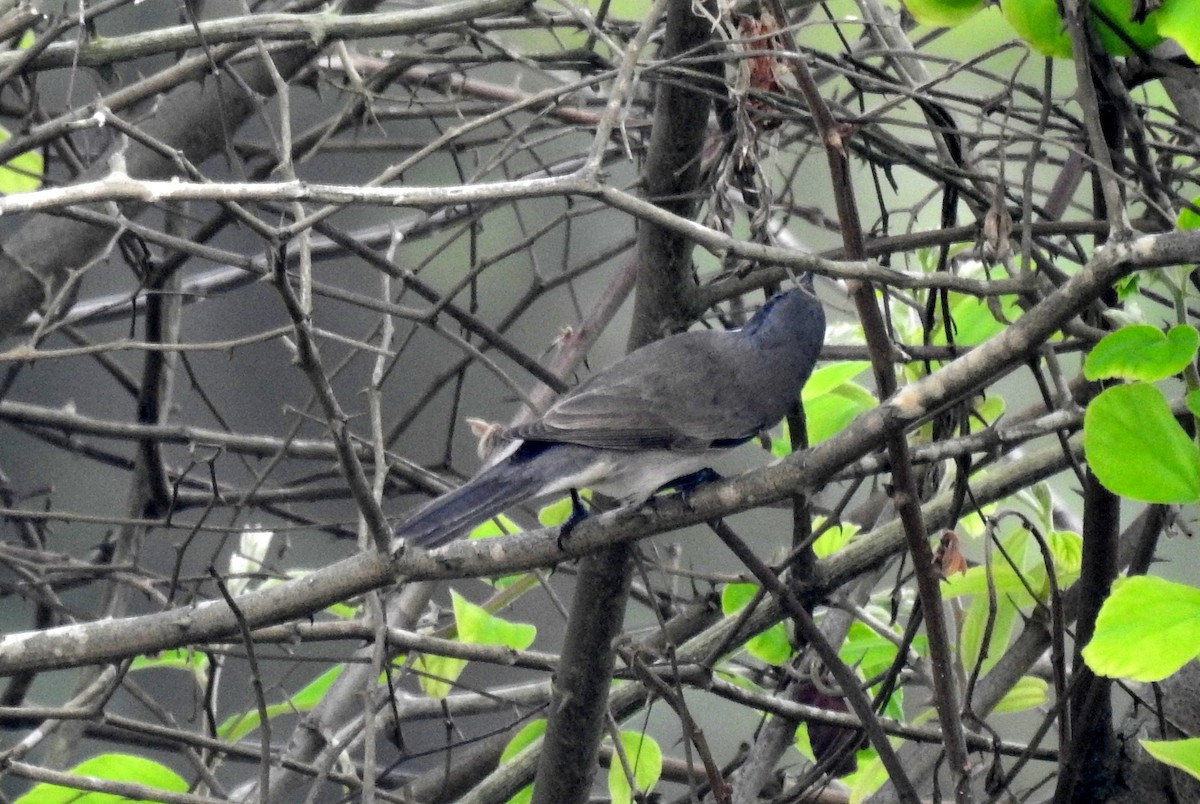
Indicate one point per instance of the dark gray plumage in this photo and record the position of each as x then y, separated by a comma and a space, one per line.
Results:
653, 417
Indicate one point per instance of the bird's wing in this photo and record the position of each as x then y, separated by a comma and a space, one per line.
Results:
681, 393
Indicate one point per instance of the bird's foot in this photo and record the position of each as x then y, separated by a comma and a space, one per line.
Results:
579, 512
688, 483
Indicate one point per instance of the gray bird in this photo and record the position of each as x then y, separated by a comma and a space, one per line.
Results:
645, 423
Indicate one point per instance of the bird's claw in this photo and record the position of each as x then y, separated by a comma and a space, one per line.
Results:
579, 512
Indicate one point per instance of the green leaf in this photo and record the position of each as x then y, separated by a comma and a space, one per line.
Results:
828, 378
831, 402
556, 513
1066, 549
1182, 754
870, 776
974, 321
1193, 402
113, 768
975, 623
867, 650
529, 734
1142, 352
1028, 693
833, 539
1146, 630
831, 413
1188, 218
476, 626
989, 409
1177, 19
943, 13
1006, 581
23, 173
194, 661
1137, 449
1038, 23
803, 744
645, 759
238, 726
499, 525
771, 646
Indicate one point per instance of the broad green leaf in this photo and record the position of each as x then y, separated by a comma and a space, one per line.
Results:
1182, 754
1066, 549
803, 744
867, 650
833, 539
437, 674
529, 734
1177, 19
1146, 630
476, 626
771, 646
1028, 693
1142, 352
194, 661
1137, 449
113, 768
23, 173
831, 402
1188, 219
499, 525
830, 414
556, 513
870, 776
974, 524
943, 13
1038, 23
975, 624
238, 726
871, 654
827, 378
974, 322
645, 759
989, 409
1006, 581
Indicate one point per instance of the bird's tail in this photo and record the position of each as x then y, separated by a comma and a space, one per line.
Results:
456, 512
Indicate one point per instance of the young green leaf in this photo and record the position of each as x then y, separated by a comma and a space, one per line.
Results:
1146, 630
1029, 692
833, 539
645, 759
113, 768
771, 646
1039, 24
529, 734
943, 13
1137, 449
238, 726
477, 626
1182, 754
23, 173
499, 525
1189, 218
1177, 19
1142, 352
